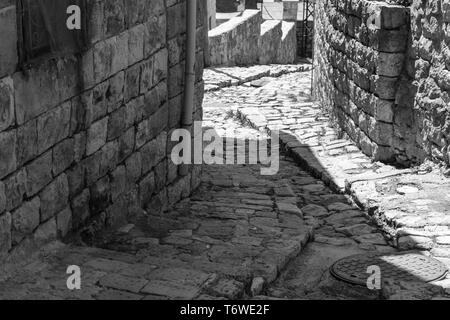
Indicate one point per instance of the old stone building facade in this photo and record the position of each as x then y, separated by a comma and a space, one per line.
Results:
85, 137
383, 71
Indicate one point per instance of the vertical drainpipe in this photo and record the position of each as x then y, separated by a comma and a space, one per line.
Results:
189, 78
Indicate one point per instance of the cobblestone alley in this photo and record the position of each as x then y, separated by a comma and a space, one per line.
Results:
241, 235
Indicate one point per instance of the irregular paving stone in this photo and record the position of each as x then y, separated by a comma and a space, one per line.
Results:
315, 210
401, 290
338, 206
334, 241
119, 282
356, 230
373, 239
289, 208
228, 288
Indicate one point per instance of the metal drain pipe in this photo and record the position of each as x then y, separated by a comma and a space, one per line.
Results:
189, 78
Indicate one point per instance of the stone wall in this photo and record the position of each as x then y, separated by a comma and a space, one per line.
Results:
431, 52
287, 51
387, 80
248, 40
270, 41
235, 42
86, 139
362, 76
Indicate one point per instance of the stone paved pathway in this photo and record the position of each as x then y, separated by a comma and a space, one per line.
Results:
412, 205
241, 235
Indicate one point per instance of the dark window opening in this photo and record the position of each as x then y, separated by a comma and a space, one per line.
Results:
44, 32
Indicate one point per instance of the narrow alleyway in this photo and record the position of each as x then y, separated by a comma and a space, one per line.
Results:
241, 235
340, 228
231, 239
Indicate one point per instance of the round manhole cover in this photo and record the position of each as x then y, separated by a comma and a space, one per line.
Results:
402, 266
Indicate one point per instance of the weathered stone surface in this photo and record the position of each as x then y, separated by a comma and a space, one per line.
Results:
57, 126
8, 34
315, 210
6, 101
356, 230
120, 282
231, 289
257, 286
80, 208
234, 42
63, 156
339, 206
53, 126
8, 160
27, 142
39, 173
54, 197
287, 51
100, 195
289, 208
155, 32
64, 222
46, 232
414, 242
361, 74
5, 233
96, 137
269, 41
2, 197
25, 219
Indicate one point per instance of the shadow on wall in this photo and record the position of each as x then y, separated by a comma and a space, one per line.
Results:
247, 39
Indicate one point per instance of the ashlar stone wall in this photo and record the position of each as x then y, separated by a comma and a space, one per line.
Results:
85, 139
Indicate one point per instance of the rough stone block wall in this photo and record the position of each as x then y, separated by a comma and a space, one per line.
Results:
287, 51
248, 40
361, 52
270, 41
431, 52
235, 42
86, 139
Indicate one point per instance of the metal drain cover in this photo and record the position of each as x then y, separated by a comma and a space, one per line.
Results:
402, 266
